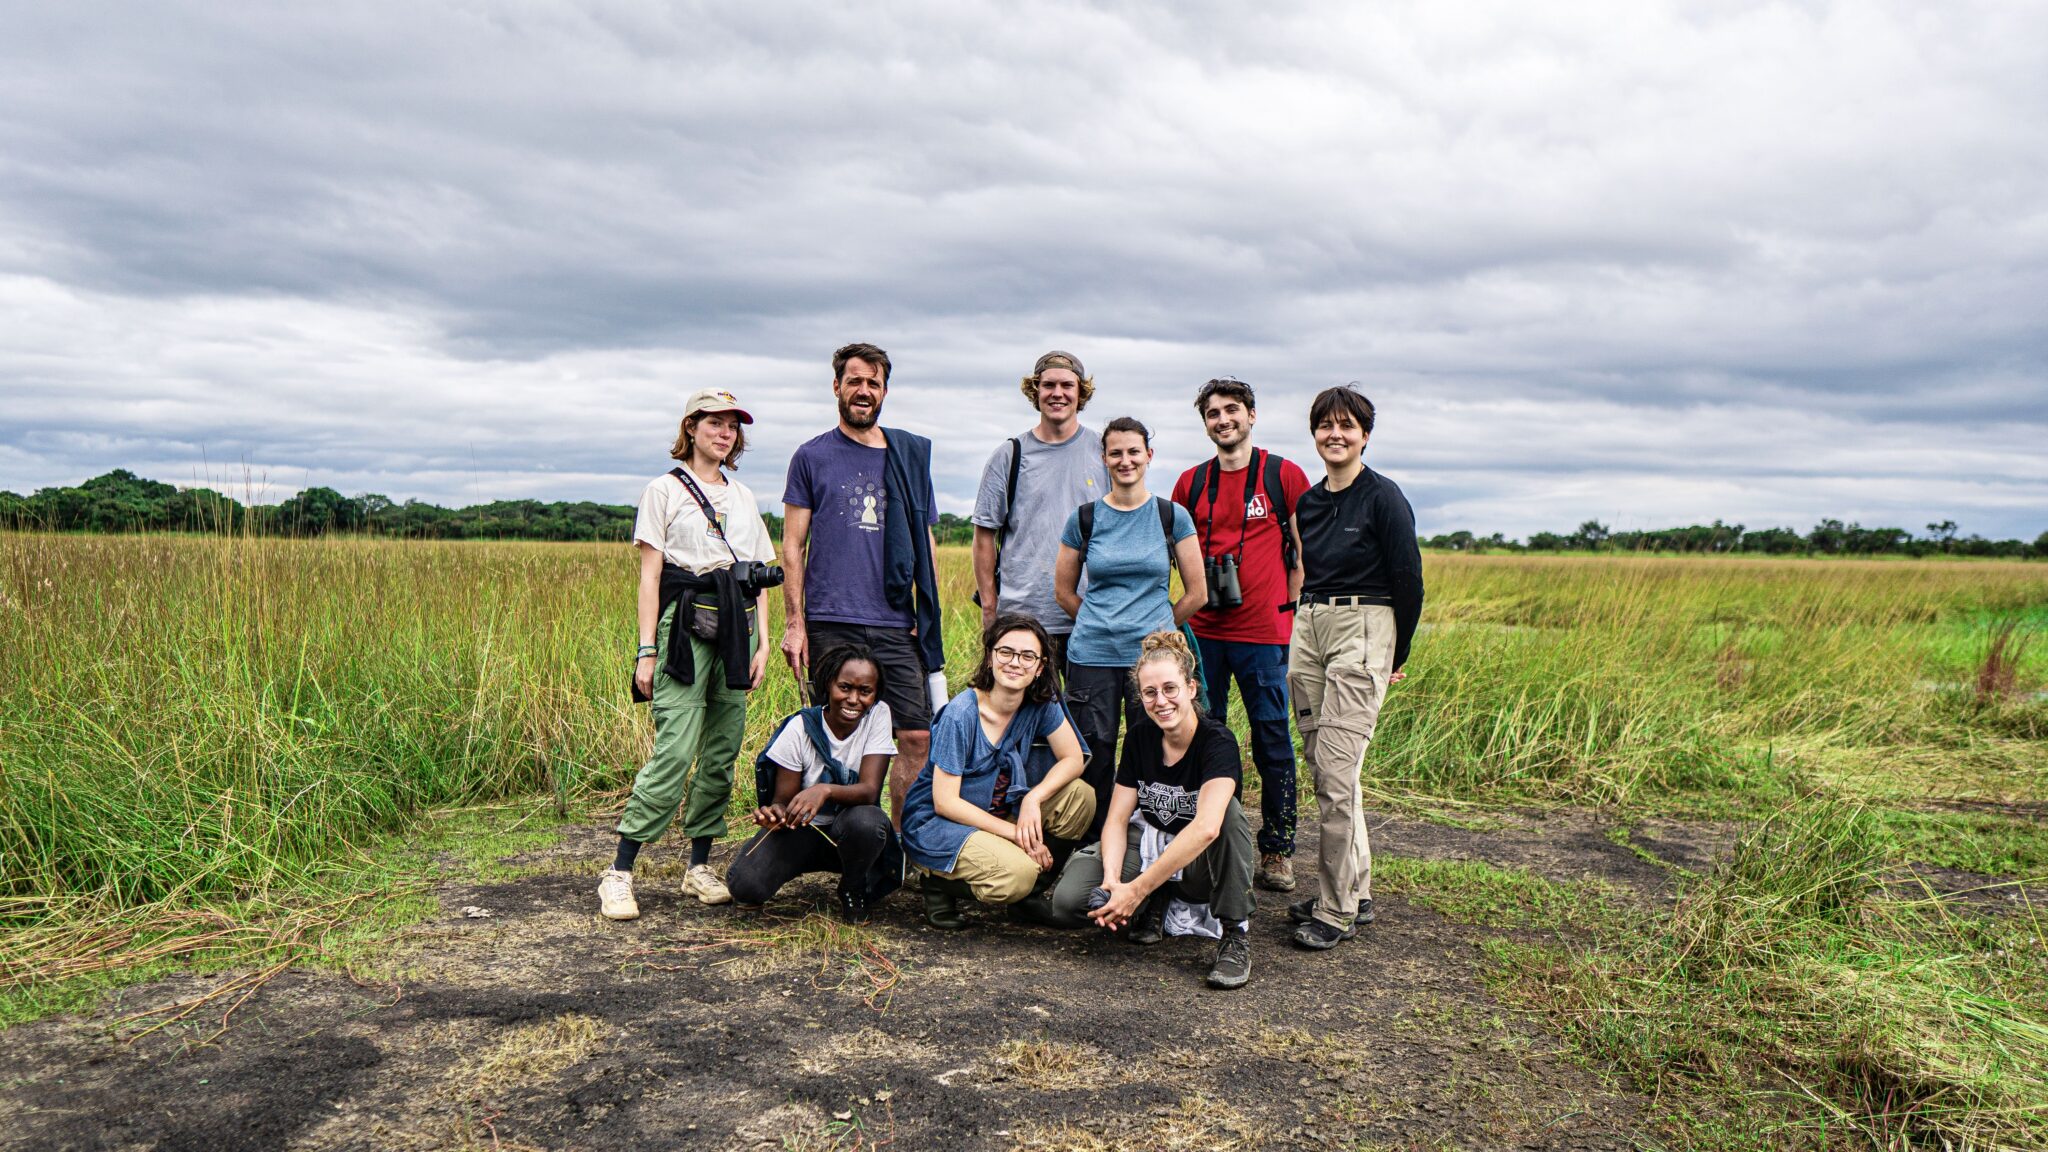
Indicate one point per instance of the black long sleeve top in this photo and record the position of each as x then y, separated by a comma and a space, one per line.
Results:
1360, 541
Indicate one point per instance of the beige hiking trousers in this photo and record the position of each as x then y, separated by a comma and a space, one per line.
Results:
1338, 668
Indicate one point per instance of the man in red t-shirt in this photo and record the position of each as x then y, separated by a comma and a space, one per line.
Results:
1243, 503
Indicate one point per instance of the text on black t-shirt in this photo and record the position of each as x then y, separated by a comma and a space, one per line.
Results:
1167, 792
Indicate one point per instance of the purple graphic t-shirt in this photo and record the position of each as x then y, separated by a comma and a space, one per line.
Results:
841, 482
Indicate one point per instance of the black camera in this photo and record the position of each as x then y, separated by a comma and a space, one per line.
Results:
755, 576
1224, 591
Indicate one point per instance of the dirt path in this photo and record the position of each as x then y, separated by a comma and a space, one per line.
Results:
541, 1025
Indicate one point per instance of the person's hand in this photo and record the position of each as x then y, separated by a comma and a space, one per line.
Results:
803, 807
758, 669
796, 648
643, 675
1396, 678
1030, 833
770, 817
988, 615
1124, 901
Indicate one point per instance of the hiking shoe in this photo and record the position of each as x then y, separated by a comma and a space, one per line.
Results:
1233, 960
615, 895
700, 881
1318, 936
942, 902
853, 905
1304, 911
1149, 925
1276, 872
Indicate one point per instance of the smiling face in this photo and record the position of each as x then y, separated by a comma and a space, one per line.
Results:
714, 435
1339, 439
860, 389
1228, 421
1059, 395
1126, 456
851, 694
1166, 694
1015, 658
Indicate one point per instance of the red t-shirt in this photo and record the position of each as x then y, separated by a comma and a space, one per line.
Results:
1261, 571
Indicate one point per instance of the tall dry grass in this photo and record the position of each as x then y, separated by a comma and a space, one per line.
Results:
189, 718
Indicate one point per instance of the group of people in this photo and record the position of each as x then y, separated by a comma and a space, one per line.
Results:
1014, 791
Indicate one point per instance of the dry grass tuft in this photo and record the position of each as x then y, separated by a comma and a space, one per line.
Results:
848, 956
527, 1056
1042, 1063
1998, 675
1198, 1124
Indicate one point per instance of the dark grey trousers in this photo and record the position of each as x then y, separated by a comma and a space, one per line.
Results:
1220, 877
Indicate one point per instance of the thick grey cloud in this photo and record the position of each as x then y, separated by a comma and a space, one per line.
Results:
1642, 262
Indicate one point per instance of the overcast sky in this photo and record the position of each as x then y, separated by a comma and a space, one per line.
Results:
1650, 263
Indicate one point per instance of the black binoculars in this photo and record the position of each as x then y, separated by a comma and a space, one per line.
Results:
1221, 572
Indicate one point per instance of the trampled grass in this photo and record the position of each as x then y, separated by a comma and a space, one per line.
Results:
191, 728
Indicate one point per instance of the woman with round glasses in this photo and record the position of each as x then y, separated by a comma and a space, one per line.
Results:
1001, 803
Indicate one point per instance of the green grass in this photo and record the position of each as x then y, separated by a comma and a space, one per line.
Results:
224, 735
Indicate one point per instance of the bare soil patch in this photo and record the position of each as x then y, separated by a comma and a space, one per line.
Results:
541, 1025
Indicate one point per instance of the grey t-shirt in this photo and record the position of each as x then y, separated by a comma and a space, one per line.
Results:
1052, 481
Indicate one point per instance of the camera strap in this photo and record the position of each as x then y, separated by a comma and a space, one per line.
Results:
1213, 475
710, 513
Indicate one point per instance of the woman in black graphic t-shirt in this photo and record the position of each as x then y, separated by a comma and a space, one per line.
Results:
1176, 792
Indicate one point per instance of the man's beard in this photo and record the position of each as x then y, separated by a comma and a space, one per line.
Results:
856, 420
1243, 434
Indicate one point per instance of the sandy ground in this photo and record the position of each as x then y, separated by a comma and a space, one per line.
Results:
541, 1025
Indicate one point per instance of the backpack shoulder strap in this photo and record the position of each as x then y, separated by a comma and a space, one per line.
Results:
1165, 507
1290, 548
1196, 480
764, 768
1010, 493
1086, 513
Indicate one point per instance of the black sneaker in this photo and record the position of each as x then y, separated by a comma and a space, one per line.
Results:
1318, 936
1149, 925
1233, 960
853, 905
1303, 911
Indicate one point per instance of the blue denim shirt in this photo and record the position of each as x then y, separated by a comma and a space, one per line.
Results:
960, 748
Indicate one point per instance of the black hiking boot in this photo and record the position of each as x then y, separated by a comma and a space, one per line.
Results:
1149, 925
1233, 960
1303, 911
942, 902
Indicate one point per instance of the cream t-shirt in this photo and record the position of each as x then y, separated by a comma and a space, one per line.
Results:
671, 520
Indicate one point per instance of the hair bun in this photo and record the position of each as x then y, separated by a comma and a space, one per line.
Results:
1169, 639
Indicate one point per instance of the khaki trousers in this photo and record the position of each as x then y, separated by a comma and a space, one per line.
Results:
1338, 667
999, 871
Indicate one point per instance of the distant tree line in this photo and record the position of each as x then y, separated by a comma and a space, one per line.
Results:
1828, 538
121, 501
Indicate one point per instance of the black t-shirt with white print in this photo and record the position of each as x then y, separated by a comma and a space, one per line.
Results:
1166, 792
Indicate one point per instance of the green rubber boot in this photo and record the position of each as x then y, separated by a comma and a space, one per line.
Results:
942, 902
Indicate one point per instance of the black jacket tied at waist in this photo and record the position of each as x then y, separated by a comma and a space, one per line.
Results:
681, 584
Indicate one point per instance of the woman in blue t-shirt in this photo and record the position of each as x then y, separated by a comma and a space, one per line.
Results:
1000, 803
1122, 541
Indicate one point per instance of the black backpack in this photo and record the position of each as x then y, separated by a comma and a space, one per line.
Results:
1266, 466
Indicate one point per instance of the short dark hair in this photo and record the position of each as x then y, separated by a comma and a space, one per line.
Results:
1226, 386
828, 666
1043, 688
1346, 397
1125, 424
868, 352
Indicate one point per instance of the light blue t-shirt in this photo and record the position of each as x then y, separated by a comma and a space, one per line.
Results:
1128, 566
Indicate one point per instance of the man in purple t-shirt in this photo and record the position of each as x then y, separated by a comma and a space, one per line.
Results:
835, 509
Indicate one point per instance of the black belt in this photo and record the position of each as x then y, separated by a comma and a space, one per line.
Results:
1345, 600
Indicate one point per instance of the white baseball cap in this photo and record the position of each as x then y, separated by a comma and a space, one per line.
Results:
715, 400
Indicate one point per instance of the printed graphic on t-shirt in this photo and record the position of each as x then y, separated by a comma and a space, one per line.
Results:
1255, 508
867, 504
1166, 805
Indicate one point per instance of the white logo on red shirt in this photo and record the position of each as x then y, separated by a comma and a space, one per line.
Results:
1256, 508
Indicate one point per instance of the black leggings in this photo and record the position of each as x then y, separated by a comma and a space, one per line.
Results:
857, 850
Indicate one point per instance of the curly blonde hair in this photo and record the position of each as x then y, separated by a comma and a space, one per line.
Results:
1169, 644
1029, 385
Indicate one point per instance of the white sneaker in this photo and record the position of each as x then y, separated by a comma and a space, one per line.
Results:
700, 881
615, 893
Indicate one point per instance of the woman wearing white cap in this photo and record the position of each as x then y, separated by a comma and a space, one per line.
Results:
704, 556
